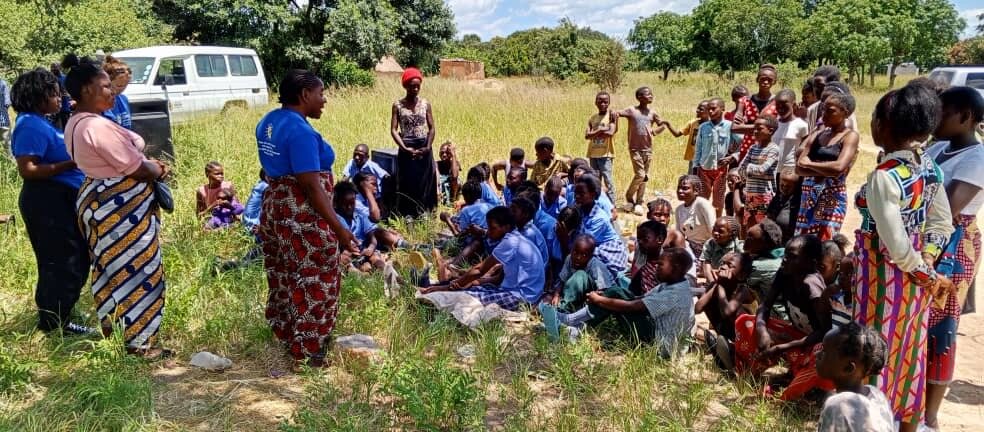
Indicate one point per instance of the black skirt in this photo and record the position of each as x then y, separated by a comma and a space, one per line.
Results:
416, 180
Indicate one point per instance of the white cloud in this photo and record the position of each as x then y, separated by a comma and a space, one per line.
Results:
970, 16
475, 16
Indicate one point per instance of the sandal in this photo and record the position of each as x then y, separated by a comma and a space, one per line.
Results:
152, 353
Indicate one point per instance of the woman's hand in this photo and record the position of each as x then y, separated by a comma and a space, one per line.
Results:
763, 337
347, 241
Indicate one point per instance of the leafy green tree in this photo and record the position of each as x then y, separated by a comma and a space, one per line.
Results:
852, 31
361, 30
424, 28
663, 41
738, 34
606, 66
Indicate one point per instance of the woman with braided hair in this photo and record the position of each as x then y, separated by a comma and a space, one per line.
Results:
299, 229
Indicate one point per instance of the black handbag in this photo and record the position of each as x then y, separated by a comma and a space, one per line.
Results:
162, 193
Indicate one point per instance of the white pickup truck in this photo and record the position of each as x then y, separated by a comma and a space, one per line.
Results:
951, 76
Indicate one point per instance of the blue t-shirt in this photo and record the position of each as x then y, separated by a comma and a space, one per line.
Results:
120, 112
473, 214
522, 266
289, 145
489, 195
598, 224
507, 196
603, 200
553, 209
531, 232
370, 167
548, 228
360, 226
251, 215
35, 136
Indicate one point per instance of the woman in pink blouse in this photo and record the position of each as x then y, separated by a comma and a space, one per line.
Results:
118, 214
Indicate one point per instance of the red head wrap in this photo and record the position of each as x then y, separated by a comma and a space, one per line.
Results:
411, 73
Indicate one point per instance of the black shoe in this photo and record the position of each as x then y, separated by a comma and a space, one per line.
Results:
78, 330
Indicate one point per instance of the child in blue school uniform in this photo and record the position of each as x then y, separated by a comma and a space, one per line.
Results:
362, 229
480, 174
552, 201
360, 163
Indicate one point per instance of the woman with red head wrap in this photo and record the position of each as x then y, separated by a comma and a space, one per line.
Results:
412, 128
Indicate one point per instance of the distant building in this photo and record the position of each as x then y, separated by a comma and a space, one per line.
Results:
462, 69
388, 66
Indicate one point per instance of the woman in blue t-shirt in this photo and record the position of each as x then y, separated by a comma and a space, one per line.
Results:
299, 229
47, 200
119, 76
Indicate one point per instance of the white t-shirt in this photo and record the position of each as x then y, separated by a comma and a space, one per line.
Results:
966, 165
788, 136
696, 221
855, 412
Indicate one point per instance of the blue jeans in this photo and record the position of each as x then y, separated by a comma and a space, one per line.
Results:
605, 168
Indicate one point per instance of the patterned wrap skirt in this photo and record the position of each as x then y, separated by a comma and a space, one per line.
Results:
889, 300
301, 259
944, 318
120, 221
823, 204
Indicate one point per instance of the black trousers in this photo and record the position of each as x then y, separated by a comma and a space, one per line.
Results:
48, 211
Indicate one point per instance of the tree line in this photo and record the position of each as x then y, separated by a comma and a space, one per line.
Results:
339, 39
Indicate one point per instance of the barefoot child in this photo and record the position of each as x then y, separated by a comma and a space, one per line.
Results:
582, 273
602, 127
663, 316
690, 130
547, 163
758, 168
850, 355
643, 125
521, 263
207, 194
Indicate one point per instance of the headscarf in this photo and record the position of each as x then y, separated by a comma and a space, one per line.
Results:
411, 73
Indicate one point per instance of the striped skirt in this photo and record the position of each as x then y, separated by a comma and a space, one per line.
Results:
823, 204
888, 300
944, 318
301, 261
120, 221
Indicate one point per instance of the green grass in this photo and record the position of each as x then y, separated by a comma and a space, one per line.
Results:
516, 381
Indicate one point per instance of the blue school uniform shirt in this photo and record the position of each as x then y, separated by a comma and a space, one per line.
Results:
507, 196
548, 228
360, 226
251, 215
289, 145
522, 266
489, 195
603, 200
598, 224
553, 209
370, 167
120, 112
473, 214
531, 232
36, 136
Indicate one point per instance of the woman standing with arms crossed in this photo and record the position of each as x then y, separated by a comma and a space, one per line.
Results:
299, 230
960, 155
412, 128
47, 201
905, 224
118, 214
824, 161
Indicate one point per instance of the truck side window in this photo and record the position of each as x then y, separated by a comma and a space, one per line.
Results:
171, 72
975, 80
241, 65
210, 65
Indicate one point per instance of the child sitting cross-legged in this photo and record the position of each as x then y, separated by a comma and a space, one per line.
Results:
582, 273
522, 268
664, 315
761, 340
849, 356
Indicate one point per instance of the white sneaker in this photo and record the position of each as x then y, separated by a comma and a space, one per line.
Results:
639, 210
628, 207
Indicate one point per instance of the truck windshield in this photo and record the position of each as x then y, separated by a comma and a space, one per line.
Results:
942, 77
141, 67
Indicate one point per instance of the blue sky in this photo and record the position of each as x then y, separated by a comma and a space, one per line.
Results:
489, 18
